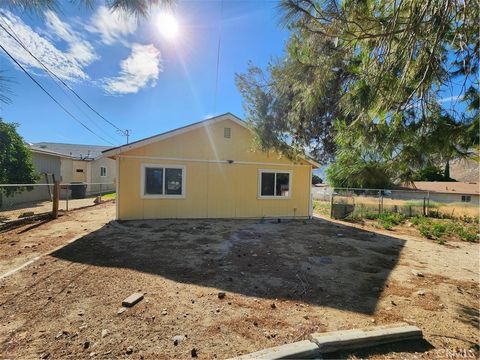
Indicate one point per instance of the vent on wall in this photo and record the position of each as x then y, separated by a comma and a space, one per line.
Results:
227, 133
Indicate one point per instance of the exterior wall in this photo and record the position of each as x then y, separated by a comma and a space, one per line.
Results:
46, 164
66, 170
96, 178
434, 196
214, 188
453, 198
80, 176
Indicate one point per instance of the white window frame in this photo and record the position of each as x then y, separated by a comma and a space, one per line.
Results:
143, 195
465, 197
103, 167
275, 171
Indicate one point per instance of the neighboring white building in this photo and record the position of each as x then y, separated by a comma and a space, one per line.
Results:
443, 191
66, 163
83, 163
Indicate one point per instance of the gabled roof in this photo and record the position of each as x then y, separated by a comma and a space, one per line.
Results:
38, 150
152, 139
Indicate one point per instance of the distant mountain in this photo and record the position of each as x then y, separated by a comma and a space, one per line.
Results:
466, 170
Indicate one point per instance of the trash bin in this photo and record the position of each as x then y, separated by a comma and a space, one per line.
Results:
79, 190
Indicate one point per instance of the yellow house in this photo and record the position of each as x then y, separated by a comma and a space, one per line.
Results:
209, 169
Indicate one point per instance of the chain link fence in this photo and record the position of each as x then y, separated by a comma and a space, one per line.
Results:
19, 201
343, 202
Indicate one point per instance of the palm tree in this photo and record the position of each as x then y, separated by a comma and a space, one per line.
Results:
135, 7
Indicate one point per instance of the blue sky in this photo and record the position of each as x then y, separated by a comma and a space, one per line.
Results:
129, 72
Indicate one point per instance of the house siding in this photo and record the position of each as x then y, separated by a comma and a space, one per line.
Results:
214, 188
95, 177
436, 196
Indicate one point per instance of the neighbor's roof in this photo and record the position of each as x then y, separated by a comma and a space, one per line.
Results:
469, 188
38, 150
139, 143
78, 151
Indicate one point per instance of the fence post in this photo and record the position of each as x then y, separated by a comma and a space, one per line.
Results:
379, 203
428, 203
100, 192
331, 205
68, 196
56, 198
424, 206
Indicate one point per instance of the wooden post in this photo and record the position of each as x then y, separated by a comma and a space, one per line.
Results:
424, 206
56, 199
428, 204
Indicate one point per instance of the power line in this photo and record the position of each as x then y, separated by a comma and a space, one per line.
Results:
218, 57
55, 75
49, 72
51, 96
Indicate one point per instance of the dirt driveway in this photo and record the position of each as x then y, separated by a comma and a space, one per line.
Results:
282, 282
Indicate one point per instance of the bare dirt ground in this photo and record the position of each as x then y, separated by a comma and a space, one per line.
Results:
283, 281
41, 207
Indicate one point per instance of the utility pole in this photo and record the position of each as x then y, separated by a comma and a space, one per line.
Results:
126, 133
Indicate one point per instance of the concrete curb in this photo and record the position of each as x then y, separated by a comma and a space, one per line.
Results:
322, 343
305, 349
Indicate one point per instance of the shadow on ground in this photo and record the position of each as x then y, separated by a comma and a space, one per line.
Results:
315, 261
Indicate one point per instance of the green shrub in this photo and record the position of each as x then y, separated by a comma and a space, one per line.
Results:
387, 225
394, 218
442, 230
369, 215
439, 229
425, 230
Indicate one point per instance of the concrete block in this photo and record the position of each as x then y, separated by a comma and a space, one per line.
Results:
361, 338
132, 299
298, 350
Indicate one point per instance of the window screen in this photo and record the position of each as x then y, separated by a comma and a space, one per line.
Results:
173, 181
154, 181
164, 181
282, 185
268, 184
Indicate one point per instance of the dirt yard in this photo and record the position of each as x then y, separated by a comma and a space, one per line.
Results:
42, 207
282, 281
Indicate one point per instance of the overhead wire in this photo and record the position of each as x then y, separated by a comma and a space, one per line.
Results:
218, 58
52, 97
12, 34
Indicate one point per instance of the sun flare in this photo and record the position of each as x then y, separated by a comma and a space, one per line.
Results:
167, 25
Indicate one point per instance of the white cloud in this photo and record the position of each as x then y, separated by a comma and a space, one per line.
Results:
112, 26
139, 70
79, 49
66, 65
66, 51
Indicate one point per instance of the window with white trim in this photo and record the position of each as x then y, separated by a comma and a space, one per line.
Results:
103, 171
466, 198
274, 184
163, 181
